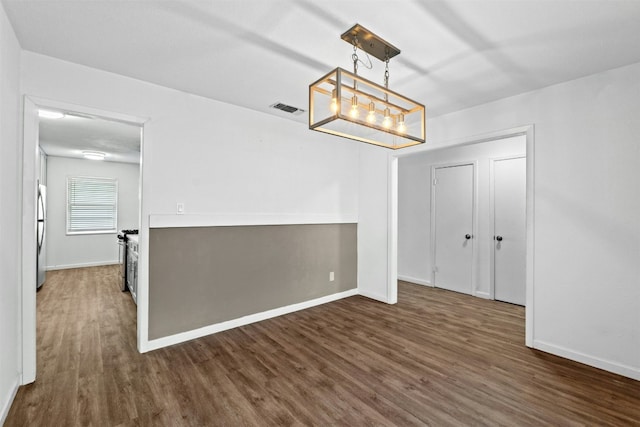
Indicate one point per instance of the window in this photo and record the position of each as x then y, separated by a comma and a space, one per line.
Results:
92, 205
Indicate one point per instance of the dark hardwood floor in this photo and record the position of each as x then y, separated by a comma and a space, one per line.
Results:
436, 358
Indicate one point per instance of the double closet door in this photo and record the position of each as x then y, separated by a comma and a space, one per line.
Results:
454, 241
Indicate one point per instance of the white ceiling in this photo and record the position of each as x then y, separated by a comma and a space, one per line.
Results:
252, 53
73, 134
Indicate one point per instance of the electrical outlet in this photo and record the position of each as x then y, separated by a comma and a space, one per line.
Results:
180, 208
332, 276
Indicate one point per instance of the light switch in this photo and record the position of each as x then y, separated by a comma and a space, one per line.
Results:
180, 208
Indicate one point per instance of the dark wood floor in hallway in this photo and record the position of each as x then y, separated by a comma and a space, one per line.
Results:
435, 358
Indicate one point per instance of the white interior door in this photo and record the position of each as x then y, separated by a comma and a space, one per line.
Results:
453, 228
509, 180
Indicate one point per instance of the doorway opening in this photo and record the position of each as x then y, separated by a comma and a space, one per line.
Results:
418, 261
87, 202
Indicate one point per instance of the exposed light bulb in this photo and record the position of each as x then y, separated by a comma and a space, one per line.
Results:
401, 126
334, 101
371, 117
354, 107
387, 118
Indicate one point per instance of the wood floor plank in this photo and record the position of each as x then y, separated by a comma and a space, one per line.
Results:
436, 358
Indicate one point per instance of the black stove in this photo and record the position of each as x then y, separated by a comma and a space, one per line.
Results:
122, 244
122, 235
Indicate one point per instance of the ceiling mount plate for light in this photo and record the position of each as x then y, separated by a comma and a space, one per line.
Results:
372, 44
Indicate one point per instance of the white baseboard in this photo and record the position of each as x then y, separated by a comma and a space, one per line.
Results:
484, 295
7, 405
242, 321
373, 295
81, 265
616, 368
414, 280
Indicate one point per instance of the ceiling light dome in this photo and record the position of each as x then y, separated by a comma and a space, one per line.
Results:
94, 155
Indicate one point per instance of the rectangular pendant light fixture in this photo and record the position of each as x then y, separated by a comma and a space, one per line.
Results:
345, 104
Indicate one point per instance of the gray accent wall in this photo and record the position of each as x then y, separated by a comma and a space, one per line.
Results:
200, 276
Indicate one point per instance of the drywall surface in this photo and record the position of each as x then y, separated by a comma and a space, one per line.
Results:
10, 223
372, 223
414, 207
202, 276
80, 250
587, 211
213, 158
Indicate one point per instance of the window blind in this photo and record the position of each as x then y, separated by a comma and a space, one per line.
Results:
92, 204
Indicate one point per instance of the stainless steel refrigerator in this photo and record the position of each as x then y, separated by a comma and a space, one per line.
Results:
42, 225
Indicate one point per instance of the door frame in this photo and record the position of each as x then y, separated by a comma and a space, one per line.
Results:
30, 140
492, 213
392, 247
474, 220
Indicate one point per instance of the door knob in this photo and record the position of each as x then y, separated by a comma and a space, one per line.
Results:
499, 238
467, 236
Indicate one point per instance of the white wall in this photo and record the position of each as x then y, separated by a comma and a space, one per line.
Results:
211, 156
10, 208
215, 158
414, 207
69, 251
587, 210
372, 223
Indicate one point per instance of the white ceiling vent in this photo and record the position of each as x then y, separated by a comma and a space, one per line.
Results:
287, 108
